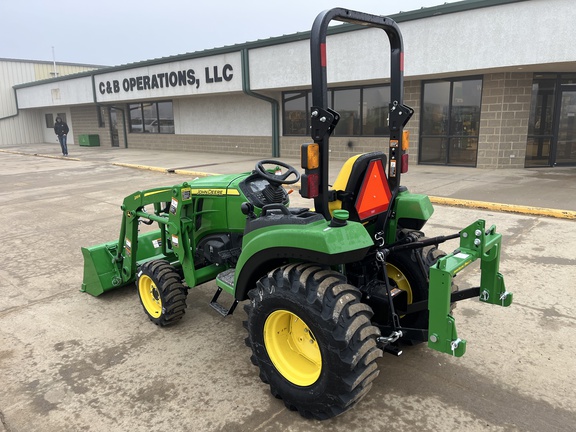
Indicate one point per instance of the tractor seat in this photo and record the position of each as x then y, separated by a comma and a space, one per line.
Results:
348, 184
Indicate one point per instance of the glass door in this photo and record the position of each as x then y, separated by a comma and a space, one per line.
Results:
114, 127
541, 123
565, 151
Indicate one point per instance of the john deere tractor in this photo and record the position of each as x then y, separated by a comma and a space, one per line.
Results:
326, 290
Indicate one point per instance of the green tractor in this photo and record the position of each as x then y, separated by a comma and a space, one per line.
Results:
327, 290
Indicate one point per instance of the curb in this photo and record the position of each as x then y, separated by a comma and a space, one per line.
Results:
40, 155
507, 208
193, 173
453, 202
165, 170
142, 167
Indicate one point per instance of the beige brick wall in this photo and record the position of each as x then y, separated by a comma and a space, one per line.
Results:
412, 98
504, 120
85, 122
341, 148
257, 146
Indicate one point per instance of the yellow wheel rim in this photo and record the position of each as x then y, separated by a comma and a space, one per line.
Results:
399, 280
292, 348
150, 296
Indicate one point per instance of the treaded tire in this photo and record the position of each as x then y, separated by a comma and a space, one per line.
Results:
161, 292
407, 264
337, 321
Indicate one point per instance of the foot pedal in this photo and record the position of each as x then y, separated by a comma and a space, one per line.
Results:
225, 279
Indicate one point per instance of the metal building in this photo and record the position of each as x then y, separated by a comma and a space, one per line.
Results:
24, 126
493, 84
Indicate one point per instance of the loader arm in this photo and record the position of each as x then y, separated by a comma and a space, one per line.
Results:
113, 264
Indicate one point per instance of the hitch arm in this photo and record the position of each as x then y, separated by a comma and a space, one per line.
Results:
475, 243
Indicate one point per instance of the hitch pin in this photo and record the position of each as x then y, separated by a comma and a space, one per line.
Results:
454, 344
503, 296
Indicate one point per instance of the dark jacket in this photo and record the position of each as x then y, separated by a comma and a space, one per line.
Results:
60, 127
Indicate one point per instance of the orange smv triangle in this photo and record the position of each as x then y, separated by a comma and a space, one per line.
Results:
375, 194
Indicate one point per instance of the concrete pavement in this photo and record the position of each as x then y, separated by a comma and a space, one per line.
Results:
536, 191
72, 362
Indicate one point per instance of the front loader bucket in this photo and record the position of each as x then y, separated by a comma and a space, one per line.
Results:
101, 273
104, 270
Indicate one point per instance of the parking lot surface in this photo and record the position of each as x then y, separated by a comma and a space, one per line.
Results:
73, 362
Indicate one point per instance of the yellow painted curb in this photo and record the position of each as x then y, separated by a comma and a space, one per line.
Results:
144, 167
485, 205
194, 173
510, 208
48, 156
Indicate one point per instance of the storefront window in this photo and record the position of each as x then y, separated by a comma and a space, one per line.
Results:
295, 113
450, 122
436, 107
347, 104
375, 106
363, 111
152, 117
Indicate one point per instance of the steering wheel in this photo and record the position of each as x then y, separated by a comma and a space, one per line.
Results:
277, 178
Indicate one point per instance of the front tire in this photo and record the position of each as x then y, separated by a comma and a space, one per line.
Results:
312, 339
161, 292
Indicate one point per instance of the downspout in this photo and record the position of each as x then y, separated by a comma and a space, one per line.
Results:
120, 109
17, 109
273, 103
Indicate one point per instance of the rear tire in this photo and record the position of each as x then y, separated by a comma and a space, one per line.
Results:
312, 339
405, 273
161, 292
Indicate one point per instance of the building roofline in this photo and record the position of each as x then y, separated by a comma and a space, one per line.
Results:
448, 8
58, 63
424, 12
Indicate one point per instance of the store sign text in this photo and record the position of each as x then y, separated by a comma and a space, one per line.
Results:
187, 77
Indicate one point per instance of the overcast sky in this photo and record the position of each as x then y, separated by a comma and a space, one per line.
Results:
113, 32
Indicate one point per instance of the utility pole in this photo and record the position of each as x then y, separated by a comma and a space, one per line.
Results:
54, 62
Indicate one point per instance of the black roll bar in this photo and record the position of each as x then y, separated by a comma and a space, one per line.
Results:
321, 115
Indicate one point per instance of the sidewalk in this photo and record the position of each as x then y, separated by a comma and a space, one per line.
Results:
534, 191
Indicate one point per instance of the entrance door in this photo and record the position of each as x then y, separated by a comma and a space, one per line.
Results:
114, 128
565, 151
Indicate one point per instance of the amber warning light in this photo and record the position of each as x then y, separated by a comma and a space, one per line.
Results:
310, 161
310, 155
405, 147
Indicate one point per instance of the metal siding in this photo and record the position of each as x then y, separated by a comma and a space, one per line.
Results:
12, 73
28, 126
22, 128
46, 70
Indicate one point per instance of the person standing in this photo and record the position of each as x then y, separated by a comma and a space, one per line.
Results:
61, 130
